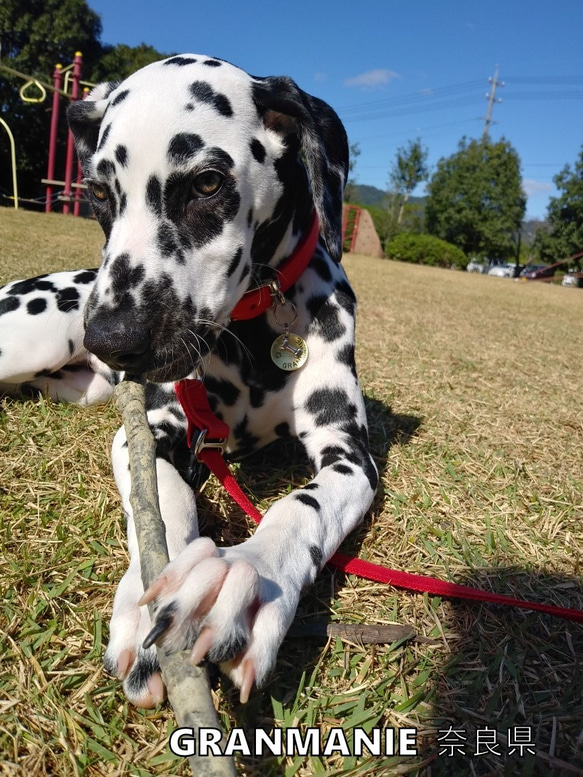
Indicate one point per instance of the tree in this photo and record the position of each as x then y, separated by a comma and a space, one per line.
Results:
475, 199
119, 62
564, 236
350, 190
409, 170
35, 35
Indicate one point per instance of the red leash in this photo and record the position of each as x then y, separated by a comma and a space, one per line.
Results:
212, 435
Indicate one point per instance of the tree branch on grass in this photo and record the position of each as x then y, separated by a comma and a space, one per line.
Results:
187, 686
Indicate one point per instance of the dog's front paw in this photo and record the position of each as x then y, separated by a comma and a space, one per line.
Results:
220, 605
125, 657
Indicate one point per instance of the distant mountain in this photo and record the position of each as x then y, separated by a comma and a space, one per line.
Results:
371, 195
368, 195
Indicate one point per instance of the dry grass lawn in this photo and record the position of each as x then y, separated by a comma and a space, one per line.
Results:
473, 388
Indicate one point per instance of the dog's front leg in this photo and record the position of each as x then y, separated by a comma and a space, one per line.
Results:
125, 656
240, 603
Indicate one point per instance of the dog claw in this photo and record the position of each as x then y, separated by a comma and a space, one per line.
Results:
163, 622
155, 694
153, 591
202, 646
124, 663
248, 671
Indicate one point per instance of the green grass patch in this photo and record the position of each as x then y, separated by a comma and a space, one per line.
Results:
473, 391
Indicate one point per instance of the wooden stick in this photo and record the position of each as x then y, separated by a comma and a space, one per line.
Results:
187, 686
364, 633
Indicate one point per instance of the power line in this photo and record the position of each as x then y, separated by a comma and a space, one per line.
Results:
491, 101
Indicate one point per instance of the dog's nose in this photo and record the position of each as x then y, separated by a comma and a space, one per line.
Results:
121, 343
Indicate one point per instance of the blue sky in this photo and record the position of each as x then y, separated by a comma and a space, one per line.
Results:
396, 70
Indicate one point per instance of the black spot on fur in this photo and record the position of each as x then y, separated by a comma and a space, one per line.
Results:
167, 243
30, 285
346, 355
329, 406
282, 430
158, 396
68, 300
119, 98
234, 263
154, 194
258, 150
104, 136
321, 266
247, 442
145, 665
343, 469
257, 396
36, 306
124, 276
9, 304
308, 500
206, 94
345, 297
311, 486
71, 345
180, 61
85, 276
327, 321
106, 168
121, 154
332, 454
226, 391
212, 63
183, 147
316, 556
220, 157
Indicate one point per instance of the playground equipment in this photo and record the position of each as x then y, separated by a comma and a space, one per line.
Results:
359, 235
13, 161
66, 83
72, 75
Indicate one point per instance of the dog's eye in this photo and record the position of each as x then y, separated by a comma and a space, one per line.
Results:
99, 192
206, 184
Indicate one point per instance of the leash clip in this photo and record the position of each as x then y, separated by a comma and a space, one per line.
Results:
197, 471
201, 443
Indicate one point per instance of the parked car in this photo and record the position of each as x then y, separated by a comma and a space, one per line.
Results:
477, 265
535, 272
573, 279
504, 270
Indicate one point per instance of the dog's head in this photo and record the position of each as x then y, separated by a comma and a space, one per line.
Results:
200, 175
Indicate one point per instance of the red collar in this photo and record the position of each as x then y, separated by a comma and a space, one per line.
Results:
257, 301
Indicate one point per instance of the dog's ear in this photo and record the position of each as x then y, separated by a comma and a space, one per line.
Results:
323, 146
85, 118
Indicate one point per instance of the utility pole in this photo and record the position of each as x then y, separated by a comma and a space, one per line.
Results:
491, 100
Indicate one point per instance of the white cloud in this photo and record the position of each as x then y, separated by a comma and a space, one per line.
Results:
372, 78
532, 188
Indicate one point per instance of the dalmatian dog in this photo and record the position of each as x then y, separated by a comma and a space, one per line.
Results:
205, 180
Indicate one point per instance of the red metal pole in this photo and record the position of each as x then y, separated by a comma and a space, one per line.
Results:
57, 77
68, 191
78, 193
